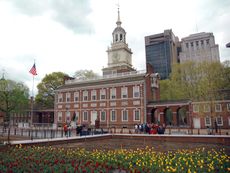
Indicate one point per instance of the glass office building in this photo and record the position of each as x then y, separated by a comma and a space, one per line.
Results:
161, 52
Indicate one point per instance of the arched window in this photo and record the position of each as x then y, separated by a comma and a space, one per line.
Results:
116, 37
121, 37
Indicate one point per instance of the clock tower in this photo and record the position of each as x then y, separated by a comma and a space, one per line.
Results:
119, 54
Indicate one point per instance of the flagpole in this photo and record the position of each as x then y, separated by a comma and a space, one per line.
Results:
32, 101
33, 71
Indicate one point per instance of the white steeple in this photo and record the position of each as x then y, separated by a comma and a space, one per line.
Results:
119, 54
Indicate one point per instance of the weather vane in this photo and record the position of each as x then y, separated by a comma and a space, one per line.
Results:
118, 4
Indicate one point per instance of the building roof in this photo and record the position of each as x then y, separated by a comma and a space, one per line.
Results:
103, 80
168, 102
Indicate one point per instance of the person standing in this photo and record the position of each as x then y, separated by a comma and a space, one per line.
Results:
65, 128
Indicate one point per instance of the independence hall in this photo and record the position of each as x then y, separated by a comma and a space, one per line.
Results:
117, 99
124, 97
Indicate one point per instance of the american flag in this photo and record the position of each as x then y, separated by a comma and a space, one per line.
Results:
33, 70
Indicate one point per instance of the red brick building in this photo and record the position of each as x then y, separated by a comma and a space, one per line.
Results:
117, 99
188, 114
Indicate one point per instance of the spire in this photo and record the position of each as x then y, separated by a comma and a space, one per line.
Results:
118, 18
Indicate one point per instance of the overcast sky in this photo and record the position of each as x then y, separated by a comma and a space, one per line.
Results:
72, 35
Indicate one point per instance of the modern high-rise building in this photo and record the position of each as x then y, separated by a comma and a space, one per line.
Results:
199, 47
161, 52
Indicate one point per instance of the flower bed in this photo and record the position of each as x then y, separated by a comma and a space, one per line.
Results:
50, 159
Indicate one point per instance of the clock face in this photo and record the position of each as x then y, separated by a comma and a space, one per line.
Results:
116, 57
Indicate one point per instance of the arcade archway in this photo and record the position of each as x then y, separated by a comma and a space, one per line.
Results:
154, 116
182, 119
168, 116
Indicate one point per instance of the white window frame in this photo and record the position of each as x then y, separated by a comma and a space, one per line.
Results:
85, 116
135, 111
76, 96
219, 120
113, 115
102, 94
206, 120
228, 107
103, 112
77, 116
125, 115
68, 97
93, 95
60, 98
59, 116
218, 107
136, 91
113, 93
67, 117
195, 107
85, 95
124, 92
207, 108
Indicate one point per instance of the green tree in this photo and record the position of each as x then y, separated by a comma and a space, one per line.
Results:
226, 65
46, 88
195, 81
13, 97
85, 74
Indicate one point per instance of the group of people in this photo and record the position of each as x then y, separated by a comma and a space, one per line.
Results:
67, 130
150, 128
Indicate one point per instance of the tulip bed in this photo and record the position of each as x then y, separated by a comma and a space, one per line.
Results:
51, 159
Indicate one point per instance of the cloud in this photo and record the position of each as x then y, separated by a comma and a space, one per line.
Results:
73, 14
215, 19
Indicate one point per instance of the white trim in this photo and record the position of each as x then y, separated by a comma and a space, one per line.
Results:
228, 107
115, 114
76, 95
136, 89
134, 113
83, 114
109, 85
124, 92
207, 108
68, 97
85, 94
101, 116
208, 118
122, 115
93, 94
219, 106
113, 92
195, 108
59, 117
219, 123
